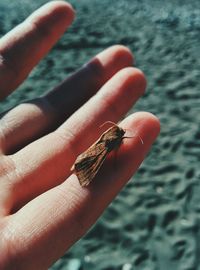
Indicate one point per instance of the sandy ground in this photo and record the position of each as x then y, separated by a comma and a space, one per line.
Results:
154, 223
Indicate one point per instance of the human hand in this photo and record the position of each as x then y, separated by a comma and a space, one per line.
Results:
43, 208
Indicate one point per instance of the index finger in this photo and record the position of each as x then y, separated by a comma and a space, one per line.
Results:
63, 214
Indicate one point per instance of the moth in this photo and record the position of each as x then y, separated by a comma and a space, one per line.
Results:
89, 162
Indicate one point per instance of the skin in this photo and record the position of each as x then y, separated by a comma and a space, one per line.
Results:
43, 209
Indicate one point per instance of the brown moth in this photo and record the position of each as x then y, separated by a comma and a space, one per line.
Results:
89, 162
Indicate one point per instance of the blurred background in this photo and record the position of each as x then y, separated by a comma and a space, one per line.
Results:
154, 224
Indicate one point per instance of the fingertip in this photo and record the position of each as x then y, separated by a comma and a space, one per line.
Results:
149, 120
141, 80
145, 124
118, 53
134, 80
124, 53
63, 9
154, 123
56, 11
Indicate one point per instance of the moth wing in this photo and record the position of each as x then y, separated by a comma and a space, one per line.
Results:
88, 163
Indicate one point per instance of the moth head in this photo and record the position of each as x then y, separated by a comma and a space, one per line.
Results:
121, 132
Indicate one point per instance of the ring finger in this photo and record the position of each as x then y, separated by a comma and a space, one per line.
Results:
38, 117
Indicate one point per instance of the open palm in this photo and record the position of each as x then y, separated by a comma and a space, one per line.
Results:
43, 209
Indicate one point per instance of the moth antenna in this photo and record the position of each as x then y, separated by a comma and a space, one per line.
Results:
107, 122
142, 142
137, 135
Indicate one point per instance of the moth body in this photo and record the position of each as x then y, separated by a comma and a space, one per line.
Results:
89, 162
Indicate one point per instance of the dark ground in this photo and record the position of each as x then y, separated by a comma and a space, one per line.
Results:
154, 223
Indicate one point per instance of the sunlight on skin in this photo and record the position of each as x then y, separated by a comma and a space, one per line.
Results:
44, 210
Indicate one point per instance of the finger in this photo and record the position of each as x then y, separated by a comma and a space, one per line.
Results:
47, 162
43, 115
62, 215
87, 81
23, 47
